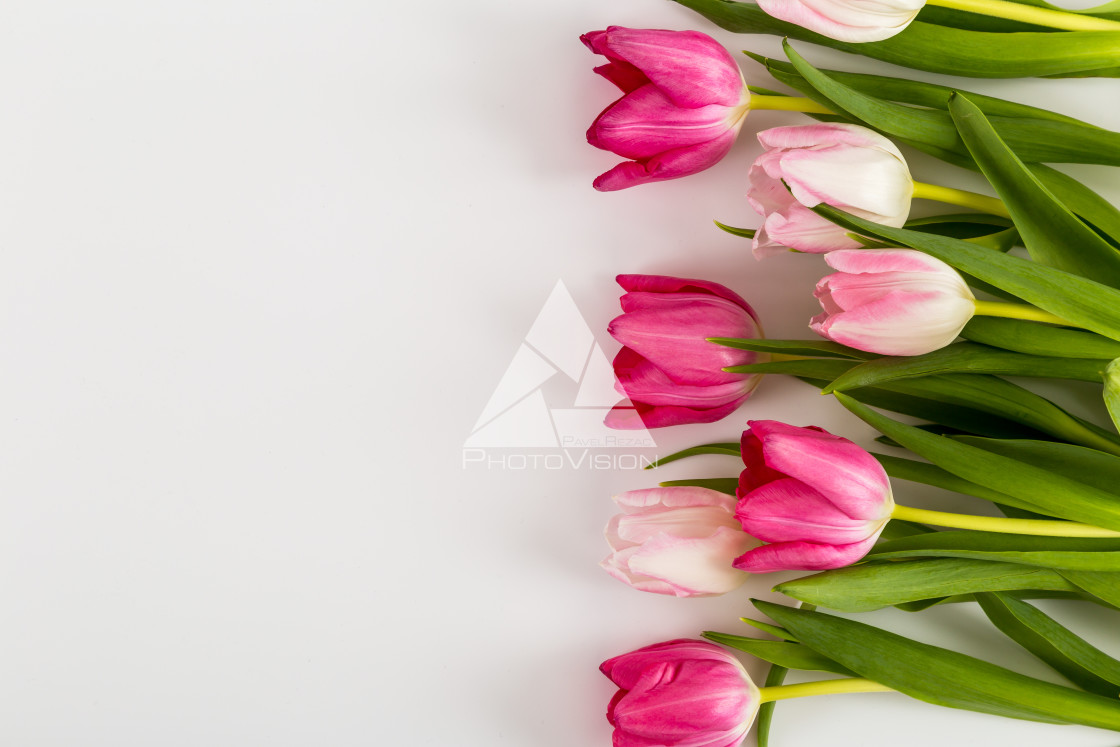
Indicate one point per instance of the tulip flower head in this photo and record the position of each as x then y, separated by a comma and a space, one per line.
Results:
668, 369
842, 165
818, 500
892, 301
680, 693
677, 540
683, 104
847, 20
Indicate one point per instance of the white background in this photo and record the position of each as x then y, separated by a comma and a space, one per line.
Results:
261, 266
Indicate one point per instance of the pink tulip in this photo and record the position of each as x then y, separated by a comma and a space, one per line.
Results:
677, 540
847, 20
842, 165
819, 500
684, 103
892, 301
667, 368
680, 693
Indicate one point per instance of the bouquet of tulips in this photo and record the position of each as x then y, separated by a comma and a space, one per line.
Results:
901, 332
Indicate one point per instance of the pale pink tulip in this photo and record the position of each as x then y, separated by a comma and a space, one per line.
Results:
892, 301
677, 540
847, 20
668, 369
842, 165
818, 500
680, 693
684, 103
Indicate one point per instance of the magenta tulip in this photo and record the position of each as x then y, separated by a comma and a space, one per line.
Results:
847, 20
818, 500
677, 540
684, 103
892, 301
842, 165
680, 693
668, 369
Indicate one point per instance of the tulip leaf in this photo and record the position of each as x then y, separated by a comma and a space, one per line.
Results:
1112, 392
787, 655
1072, 656
967, 358
816, 368
1093, 209
1083, 302
899, 528
942, 49
872, 586
1033, 338
1089, 466
941, 676
726, 449
770, 628
1043, 140
1104, 586
815, 348
1056, 553
931, 474
727, 485
1052, 234
775, 677
746, 233
1053, 494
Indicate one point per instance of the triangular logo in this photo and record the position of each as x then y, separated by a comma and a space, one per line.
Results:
560, 343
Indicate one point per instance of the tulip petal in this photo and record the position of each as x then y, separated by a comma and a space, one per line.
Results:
800, 228
643, 381
663, 416
849, 177
623, 74
889, 260
693, 567
671, 164
846, 20
802, 556
828, 135
669, 284
898, 323
788, 510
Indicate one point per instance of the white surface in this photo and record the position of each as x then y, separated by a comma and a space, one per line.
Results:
262, 267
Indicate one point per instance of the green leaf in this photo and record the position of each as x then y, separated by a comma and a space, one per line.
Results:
815, 348
726, 449
1033, 338
1052, 234
745, 233
1051, 493
930, 474
775, 677
1081, 301
967, 358
941, 49
940, 676
872, 586
815, 368
1104, 586
1112, 392
1080, 662
1056, 553
1089, 466
788, 655
770, 628
899, 528
1093, 209
726, 485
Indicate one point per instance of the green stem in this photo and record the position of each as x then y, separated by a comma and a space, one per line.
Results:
1036, 527
788, 104
822, 687
1055, 19
964, 198
1018, 311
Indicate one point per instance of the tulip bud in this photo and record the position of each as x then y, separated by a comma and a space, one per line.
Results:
847, 20
684, 103
842, 165
668, 369
677, 540
680, 693
819, 500
892, 301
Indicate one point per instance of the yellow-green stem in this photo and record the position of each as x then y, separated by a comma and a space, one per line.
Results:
822, 687
1018, 311
1055, 19
964, 198
788, 104
1037, 527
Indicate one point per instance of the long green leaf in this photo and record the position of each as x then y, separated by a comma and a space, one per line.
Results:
1089, 466
941, 676
776, 676
1057, 553
941, 49
931, 474
1081, 301
1054, 494
1052, 234
788, 655
1032, 338
725, 449
1104, 586
872, 586
816, 348
1075, 658
1090, 206
967, 358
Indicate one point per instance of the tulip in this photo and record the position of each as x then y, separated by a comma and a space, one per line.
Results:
668, 369
684, 103
847, 20
818, 500
843, 165
677, 540
892, 301
681, 692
